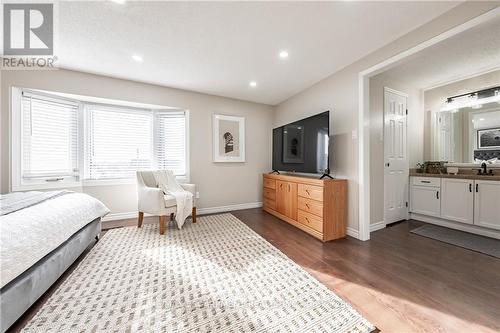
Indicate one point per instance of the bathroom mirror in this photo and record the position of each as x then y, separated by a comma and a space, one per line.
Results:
469, 134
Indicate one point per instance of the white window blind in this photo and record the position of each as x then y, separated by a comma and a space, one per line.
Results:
49, 138
119, 142
170, 141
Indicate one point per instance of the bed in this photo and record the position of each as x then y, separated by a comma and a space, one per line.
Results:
41, 235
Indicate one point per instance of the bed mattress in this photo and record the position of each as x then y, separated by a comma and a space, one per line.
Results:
27, 235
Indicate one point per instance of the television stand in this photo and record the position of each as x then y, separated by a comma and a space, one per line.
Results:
274, 171
318, 207
326, 175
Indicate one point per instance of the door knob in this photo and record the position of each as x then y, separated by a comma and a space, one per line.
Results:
387, 164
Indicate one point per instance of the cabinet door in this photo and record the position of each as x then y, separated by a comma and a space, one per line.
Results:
291, 200
487, 203
457, 200
425, 200
281, 192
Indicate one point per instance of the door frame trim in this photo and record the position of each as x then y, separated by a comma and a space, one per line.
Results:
405, 95
364, 112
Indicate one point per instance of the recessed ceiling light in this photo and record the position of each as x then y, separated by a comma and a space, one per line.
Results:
137, 58
253, 84
283, 54
120, 2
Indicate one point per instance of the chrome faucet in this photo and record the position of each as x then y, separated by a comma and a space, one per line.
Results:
482, 171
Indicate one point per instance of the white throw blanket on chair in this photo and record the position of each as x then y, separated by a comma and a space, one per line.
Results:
168, 184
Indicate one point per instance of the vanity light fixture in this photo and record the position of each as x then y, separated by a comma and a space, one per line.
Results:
473, 100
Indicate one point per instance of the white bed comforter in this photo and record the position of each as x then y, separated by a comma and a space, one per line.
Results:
28, 234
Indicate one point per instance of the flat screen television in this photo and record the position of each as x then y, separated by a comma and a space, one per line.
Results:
302, 146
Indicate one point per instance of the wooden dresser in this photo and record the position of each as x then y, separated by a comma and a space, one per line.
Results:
319, 207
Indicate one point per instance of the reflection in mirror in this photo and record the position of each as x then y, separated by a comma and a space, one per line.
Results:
467, 129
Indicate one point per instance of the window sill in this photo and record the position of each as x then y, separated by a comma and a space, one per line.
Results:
114, 182
45, 186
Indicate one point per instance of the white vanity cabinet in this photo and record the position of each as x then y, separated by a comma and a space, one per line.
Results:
425, 196
473, 202
487, 204
457, 200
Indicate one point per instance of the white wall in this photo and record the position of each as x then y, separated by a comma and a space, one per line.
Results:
415, 135
339, 93
219, 184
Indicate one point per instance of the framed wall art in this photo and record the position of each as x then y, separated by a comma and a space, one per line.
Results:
228, 138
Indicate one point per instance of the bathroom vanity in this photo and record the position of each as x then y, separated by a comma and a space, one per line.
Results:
466, 202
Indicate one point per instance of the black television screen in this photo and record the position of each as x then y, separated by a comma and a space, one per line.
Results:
302, 146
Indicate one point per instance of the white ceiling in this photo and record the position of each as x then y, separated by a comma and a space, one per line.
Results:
218, 47
469, 53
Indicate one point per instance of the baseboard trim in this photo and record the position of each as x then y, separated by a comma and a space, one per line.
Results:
224, 209
352, 232
200, 211
377, 226
456, 225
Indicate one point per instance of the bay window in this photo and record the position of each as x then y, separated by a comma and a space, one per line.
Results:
58, 142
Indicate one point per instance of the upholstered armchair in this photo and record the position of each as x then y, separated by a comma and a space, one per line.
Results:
152, 200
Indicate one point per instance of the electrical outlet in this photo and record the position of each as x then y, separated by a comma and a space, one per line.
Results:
197, 195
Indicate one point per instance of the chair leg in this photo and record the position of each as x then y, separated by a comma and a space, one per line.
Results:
140, 218
194, 214
172, 216
162, 225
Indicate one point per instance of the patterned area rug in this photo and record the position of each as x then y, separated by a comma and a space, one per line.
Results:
217, 275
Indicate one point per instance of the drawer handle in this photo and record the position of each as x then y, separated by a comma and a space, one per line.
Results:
307, 191
425, 181
307, 220
437, 194
470, 188
307, 205
477, 188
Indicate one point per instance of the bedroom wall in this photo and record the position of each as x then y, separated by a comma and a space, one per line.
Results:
219, 184
434, 99
339, 93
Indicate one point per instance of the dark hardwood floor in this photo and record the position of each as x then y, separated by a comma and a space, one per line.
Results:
400, 281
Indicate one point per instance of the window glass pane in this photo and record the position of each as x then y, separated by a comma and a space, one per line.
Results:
50, 138
171, 142
119, 142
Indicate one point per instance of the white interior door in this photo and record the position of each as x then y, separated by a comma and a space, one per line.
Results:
396, 169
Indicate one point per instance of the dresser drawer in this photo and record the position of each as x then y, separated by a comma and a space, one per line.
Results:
426, 181
269, 194
311, 192
312, 221
311, 206
268, 203
270, 183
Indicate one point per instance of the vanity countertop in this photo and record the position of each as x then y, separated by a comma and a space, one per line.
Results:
458, 176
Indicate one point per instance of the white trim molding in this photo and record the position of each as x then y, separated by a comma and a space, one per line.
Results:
353, 232
364, 111
377, 226
200, 211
